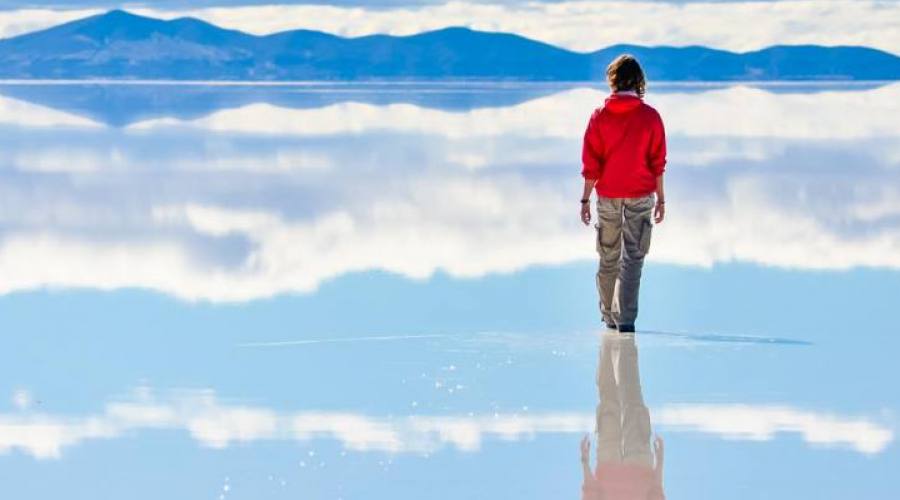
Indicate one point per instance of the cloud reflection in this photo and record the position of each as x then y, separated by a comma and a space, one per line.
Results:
24, 114
736, 111
762, 423
259, 200
217, 424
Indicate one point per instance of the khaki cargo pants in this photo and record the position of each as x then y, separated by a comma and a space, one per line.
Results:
623, 421
623, 227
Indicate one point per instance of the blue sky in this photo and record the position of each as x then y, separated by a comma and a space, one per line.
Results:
575, 24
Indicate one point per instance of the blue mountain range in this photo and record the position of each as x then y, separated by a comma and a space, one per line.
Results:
121, 45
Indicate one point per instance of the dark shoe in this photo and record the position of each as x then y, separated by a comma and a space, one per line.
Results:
610, 326
626, 328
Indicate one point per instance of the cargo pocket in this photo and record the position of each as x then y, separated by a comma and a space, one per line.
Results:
646, 233
608, 237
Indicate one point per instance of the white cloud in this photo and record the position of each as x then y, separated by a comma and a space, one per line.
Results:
217, 425
23, 114
19, 21
579, 25
590, 25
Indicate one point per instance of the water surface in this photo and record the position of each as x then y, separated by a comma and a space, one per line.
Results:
359, 291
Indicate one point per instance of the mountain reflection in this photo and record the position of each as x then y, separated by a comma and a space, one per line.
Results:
123, 104
234, 194
626, 467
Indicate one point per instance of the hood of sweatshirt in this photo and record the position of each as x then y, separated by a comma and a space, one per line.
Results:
622, 103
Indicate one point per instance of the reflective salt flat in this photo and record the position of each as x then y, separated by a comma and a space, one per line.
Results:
195, 302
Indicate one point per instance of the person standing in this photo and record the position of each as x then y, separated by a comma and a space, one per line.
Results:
623, 160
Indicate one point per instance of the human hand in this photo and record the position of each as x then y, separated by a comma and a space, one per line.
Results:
658, 447
585, 213
659, 213
585, 449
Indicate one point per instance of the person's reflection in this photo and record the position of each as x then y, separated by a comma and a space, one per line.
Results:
626, 468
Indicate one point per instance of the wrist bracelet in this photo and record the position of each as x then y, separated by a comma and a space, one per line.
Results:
585, 200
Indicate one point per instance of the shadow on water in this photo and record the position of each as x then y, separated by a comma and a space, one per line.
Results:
730, 339
516, 339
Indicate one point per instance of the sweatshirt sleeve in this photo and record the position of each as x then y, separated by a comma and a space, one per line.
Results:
591, 152
656, 156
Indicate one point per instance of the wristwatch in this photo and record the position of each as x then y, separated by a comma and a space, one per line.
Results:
585, 200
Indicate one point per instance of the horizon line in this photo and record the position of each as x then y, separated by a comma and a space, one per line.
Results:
448, 82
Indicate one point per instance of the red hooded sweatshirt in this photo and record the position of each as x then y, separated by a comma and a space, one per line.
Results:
624, 147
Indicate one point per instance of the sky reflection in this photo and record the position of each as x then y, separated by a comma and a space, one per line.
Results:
377, 384
258, 200
216, 424
447, 327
